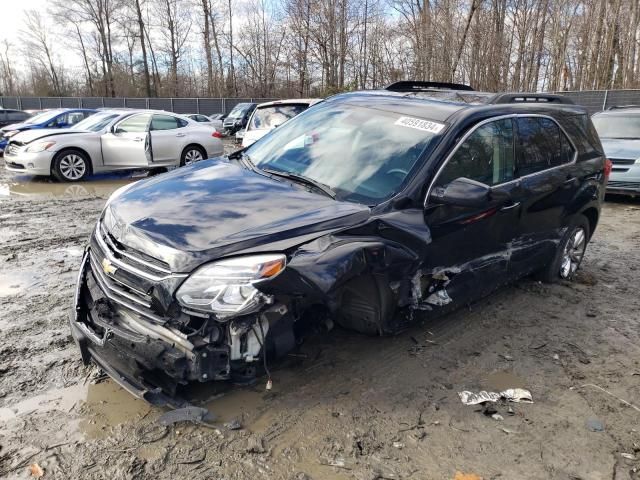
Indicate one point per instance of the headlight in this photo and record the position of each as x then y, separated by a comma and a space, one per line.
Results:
226, 288
40, 147
10, 133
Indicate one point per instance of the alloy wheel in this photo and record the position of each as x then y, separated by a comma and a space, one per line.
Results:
72, 166
573, 253
192, 156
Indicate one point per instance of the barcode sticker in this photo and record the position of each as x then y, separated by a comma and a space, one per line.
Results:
420, 124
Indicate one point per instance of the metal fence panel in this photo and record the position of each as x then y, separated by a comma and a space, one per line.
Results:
592, 100
185, 105
160, 104
209, 106
135, 103
92, 102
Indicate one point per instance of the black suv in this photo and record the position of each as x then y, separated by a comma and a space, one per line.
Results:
369, 209
238, 117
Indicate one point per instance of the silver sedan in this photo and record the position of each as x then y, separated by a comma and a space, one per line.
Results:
113, 140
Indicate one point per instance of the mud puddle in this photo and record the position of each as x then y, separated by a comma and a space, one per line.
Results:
38, 188
499, 381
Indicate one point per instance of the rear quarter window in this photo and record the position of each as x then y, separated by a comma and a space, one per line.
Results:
541, 145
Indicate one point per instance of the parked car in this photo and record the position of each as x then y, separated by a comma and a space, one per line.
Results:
203, 119
59, 118
218, 119
8, 116
270, 115
112, 140
238, 118
619, 131
371, 209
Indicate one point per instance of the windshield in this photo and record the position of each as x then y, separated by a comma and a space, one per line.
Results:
96, 122
275, 115
617, 126
239, 110
363, 154
44, 116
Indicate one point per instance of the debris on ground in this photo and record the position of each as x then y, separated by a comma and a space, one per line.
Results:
595, 425
233, 425
628, 456
187, 414
497, 416
36, 470
511, 395
466, 476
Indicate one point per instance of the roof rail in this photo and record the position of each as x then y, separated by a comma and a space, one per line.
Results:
531, 98
620, 107
418, 85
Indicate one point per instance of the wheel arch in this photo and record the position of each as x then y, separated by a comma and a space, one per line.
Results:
592, 215
72, 149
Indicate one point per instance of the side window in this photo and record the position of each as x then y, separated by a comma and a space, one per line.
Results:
202, 118
486, 156
541, 145
181, 122
134, 124
74, 117
164, 122
16, 115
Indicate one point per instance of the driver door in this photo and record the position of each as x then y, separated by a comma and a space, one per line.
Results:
128, 143
471, 244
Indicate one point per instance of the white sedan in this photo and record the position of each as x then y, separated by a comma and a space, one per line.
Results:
112, 140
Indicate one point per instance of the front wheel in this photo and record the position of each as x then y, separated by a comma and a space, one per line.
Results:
70, 166
191, 154
569, 253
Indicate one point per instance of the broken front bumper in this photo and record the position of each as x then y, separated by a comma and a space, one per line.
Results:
135, 353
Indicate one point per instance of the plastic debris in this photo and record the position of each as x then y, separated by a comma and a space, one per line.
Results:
511, 395
497, 416
595, 425
187, 414
628, 456
36, 470
466, 476
233, 425
398, 445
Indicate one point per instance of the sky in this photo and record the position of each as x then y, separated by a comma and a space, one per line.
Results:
11, 12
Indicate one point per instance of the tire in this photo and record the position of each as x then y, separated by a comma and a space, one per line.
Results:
192, 154
71, 166
569, 253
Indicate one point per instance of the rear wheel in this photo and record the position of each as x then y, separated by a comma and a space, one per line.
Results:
192, 154
71, 166
569, 254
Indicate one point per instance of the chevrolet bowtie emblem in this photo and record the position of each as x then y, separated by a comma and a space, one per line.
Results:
107, 267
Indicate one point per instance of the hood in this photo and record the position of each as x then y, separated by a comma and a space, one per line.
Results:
252, 136
621, 148
18, 126
29, 136
214, 208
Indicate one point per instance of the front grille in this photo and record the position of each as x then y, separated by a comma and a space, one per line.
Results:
126, 276
12, 149
623, 161
620, 185
14, 165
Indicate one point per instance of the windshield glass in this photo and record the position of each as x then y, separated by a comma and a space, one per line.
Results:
96, 122
44, 116
275, 115
363, 154
617, 126
239, 110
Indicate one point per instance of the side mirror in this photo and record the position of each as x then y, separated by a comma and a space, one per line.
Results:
462, 192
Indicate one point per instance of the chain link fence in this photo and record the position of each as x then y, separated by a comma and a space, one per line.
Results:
592, 100
206, 106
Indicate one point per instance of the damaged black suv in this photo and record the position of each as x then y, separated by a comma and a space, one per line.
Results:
369, 208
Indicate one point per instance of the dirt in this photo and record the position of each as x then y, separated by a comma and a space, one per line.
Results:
344, 406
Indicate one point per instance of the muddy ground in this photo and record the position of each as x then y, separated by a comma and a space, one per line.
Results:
344, 406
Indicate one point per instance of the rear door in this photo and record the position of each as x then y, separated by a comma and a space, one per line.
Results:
545, 163
128, 143
471, 245
168, 135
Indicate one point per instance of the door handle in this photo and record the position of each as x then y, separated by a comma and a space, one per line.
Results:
180, 135
138, 139
510, 206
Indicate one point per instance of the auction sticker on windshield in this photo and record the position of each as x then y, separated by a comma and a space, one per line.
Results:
420, 124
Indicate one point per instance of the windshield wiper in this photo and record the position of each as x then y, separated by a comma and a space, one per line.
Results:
302, 179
